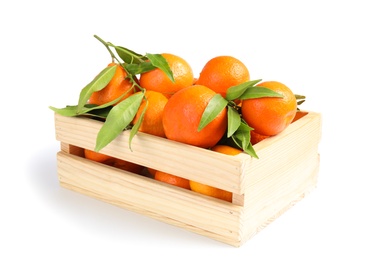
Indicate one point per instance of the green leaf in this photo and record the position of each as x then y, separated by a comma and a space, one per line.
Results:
143, 67
249, 150
244, 126
160, 62
72, 110
259, 92
214, 107
242, 140
99, 82
129, 56
235, 92
243, 137
234, 121
136, 126
118, 118
300, 99
66, 111
99, 112
87, 108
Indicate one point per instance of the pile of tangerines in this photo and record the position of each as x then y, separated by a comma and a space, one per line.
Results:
222, 109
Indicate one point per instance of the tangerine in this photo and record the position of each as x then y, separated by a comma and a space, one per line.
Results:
112, 161
226, 149
270, 115
118, 85
157, 80
211, 191
223, 72
255, 137
182, 115
125, 165
172, 179
152, 121
95, 156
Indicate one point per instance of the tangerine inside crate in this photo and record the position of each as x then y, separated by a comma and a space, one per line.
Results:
263, 188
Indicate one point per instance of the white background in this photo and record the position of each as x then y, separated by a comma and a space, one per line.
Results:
334, 52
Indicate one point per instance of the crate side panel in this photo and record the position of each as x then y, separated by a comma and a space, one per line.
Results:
206, 216
273, 196
289, 146
198, 164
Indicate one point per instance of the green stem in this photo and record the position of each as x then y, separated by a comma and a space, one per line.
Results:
233, 104
107, 46
135, 82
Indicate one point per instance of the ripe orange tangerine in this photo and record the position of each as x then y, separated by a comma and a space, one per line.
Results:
152, 121
182, 115
95, 156
270, 115
125, 165
118, 85
172, 179
223, 72
157, 80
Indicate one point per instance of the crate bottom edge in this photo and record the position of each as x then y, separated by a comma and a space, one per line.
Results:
154, 215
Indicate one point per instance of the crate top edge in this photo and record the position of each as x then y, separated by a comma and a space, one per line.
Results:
310, 117
241, 157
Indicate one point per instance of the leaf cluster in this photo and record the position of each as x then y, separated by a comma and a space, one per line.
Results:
237, 129
300, 99
119, 117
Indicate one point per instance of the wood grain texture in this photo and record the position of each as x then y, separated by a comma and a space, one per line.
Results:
262, 188
201, 214
198, 164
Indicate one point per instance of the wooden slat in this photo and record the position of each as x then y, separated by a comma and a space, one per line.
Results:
207, 216
194, 163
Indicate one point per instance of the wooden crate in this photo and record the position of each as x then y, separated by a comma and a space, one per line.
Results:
262, 188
